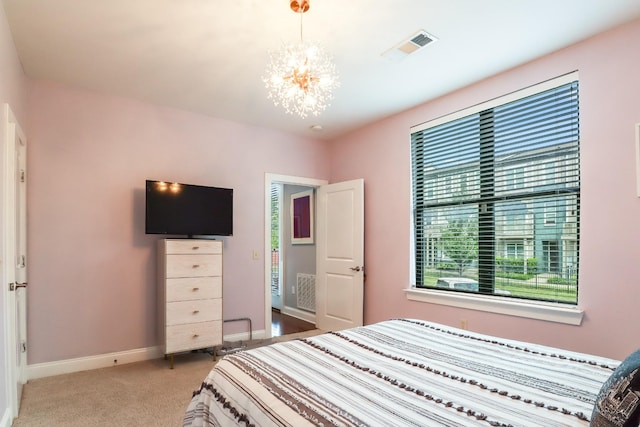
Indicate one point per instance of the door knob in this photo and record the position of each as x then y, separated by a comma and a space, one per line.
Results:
356, 268
14, 286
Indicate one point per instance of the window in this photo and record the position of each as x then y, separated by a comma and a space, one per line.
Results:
515, 178
550, 173
276, 237
514, 250
509, 219
549, 214
429, 192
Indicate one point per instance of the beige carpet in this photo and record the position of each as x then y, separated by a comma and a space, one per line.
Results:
136, 394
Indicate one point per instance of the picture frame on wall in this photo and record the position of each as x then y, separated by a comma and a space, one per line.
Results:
302, 212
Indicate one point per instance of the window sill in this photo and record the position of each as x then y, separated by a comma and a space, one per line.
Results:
560, 313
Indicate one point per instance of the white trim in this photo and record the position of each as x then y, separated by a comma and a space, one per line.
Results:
4, 273
299, 314
513, 96
48, 369
559, 313
6, 419
68, 366
244, 336
270, 178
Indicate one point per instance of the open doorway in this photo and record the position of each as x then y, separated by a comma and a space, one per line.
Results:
276, 248
289, 268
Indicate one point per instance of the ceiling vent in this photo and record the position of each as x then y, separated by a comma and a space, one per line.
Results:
409, 46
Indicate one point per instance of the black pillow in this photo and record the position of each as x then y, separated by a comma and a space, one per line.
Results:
618, 403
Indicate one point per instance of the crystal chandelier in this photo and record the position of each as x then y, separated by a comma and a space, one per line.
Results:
301, 77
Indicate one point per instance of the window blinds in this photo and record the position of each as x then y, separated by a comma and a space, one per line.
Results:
496, 197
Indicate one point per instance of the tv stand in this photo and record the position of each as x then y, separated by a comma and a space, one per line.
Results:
189, 295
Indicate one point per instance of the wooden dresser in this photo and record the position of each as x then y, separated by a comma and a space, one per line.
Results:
189, 295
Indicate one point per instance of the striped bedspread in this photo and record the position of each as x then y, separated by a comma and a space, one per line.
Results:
400, 372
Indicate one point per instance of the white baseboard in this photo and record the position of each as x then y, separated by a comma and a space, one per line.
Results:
59, 367
244, 336
6, 420
300, 314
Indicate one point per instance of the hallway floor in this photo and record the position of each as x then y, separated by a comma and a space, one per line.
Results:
282, 324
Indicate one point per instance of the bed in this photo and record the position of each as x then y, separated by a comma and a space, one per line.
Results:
404, 372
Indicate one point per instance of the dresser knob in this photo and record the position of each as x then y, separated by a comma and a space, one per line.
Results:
196, 265
196, 311
195, 335
195, 289
195, 248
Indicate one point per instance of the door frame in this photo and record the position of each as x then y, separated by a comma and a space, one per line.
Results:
11, 129
269, 179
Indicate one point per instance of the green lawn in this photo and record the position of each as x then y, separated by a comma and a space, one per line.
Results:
524, 289
562, 293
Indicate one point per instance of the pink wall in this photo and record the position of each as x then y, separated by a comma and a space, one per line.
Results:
610, 243
13, 92
92, 288
92, 277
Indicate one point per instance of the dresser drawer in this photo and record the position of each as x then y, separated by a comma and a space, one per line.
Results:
193, 246
193, 336
198, 265
194, 288
181, 312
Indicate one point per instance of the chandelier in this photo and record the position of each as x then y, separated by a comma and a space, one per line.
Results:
301, 76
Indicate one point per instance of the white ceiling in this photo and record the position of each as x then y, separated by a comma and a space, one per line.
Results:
209, 56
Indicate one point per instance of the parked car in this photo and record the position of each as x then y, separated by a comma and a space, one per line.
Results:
463, 284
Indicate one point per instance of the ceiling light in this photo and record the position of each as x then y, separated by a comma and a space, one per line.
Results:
301, 77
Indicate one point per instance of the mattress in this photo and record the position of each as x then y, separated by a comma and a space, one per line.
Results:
401, 372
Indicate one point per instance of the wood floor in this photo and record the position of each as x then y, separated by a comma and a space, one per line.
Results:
282, 324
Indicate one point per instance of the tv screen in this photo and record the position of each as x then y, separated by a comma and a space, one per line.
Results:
186, 209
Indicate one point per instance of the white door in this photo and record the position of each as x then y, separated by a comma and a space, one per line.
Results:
15, 253
340, 255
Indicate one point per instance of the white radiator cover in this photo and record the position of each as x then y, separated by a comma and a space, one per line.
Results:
306, 291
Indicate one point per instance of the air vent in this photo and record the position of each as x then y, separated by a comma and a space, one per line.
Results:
409, 46
306, 291
422, 39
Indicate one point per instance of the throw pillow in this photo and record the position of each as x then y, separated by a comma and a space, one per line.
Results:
618, 403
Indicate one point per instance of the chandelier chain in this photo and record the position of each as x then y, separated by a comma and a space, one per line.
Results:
301, 13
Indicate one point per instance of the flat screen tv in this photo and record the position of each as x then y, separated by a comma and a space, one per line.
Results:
186, 209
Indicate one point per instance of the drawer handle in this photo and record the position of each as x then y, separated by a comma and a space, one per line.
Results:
195, 335
196, 311
196, 265
195, 289
195, 248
